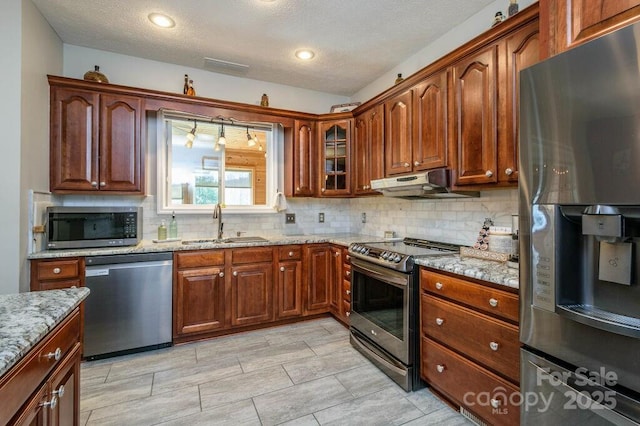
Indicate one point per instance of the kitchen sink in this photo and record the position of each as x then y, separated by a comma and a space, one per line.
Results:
226, 240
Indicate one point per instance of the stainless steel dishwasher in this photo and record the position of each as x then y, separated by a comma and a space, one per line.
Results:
129, 308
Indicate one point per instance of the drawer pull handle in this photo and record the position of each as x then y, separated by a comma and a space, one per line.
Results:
282, 269
439, 286
59, 392
57, 270
440, 368
51, 404
493, 302
495, 403
439, 321
494, 346
221, 274
56, 355
348, 273
348, 257
348, 291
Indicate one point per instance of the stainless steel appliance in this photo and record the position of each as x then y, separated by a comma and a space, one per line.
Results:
431, 184
86, 227
130, 305
580, 234
384, 304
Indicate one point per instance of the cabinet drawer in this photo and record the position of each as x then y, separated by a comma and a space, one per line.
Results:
199, 258
58, 269
18, 384
467, 383
55, 285
290, 253
489, 341
346, 271
346, 308
487, 299
346, 290
251, 255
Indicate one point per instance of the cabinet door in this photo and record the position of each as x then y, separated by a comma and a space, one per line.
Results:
252, 294
302, 159
573, 22
475, 109
336, 280
522, 50
121, 147
73, 140
368, 149
335, 146
199, 301
65, 385
398, 134
430, 123
36, 411
318, 276
289, 289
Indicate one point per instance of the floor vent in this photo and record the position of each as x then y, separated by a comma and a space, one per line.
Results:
225, 67
469, 415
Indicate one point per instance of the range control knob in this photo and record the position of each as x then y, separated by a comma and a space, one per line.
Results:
397, 258
384, 255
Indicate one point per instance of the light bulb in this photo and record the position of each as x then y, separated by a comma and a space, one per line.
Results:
216, 147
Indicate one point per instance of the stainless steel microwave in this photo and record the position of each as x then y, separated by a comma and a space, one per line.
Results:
90, 227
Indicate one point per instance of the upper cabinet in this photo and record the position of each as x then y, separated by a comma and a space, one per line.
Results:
335, 149
368, 149
299, 160
568, 23
96, 142
430, 123
398, 125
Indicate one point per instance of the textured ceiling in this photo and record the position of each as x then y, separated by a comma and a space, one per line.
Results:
356, 41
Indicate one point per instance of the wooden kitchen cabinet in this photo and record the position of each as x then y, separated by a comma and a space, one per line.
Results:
335, 301
469, 343
251, 286
289, 282
398, 130
318, 273
300, 161
569, 23
368, 149
335, 157
199, 293
344, 287
429, 148
96, 141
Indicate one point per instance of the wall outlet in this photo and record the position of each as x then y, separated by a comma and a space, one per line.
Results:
364, 217
290, 218
321, 217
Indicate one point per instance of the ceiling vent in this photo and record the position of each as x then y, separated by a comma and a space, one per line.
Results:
225, 67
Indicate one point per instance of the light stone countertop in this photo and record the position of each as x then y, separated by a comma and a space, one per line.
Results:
485, 270
26, 318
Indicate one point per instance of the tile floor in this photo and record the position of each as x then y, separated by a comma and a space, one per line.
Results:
301, 374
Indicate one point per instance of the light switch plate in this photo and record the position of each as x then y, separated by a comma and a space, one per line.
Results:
290, 218
321, 217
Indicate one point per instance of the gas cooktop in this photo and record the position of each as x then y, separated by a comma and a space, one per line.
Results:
400, 255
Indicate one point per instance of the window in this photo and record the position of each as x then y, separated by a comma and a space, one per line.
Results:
198, 169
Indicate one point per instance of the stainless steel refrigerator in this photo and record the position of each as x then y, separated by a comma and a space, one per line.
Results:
580, 235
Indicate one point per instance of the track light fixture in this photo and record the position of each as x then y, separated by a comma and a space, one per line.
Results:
222, 140
191, 136
250, 140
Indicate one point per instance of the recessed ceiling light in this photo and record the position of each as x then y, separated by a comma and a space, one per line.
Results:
161, 20
305, 54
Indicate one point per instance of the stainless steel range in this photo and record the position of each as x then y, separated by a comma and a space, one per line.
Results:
384, 304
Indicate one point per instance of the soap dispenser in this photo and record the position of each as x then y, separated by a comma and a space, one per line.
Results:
162, 230
173, 226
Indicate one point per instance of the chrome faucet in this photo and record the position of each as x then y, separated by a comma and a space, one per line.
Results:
217, 214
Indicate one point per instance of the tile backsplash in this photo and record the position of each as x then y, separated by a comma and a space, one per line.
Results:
451, 220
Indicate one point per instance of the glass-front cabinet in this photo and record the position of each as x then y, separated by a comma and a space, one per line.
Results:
335, 141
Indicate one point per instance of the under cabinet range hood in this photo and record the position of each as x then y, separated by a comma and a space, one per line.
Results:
430, 184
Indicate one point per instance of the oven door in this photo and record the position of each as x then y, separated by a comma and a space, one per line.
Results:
380, 299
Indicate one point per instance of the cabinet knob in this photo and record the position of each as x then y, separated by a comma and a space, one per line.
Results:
348, 291
348, 257
221, 274
416, 163
59, 392
56, 355
323, 189
493, 302
336, 254
508, 171
282, 269
297, 189
94, 184
406, 164
235, 273
439, 321
348, 313
348, 273
290, 254
440, 368
494, 346
103, 184
51, 404
495, 403
56, 270
488, 173
439, 286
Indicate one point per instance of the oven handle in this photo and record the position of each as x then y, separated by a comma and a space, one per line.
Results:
383, 274
374, 353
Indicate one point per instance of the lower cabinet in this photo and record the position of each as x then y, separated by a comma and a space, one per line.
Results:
341, 285
317, 291
251, 286
470, 345
289, 282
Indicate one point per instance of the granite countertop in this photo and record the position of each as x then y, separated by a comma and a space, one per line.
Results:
486, 270
26, 318
147, 246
